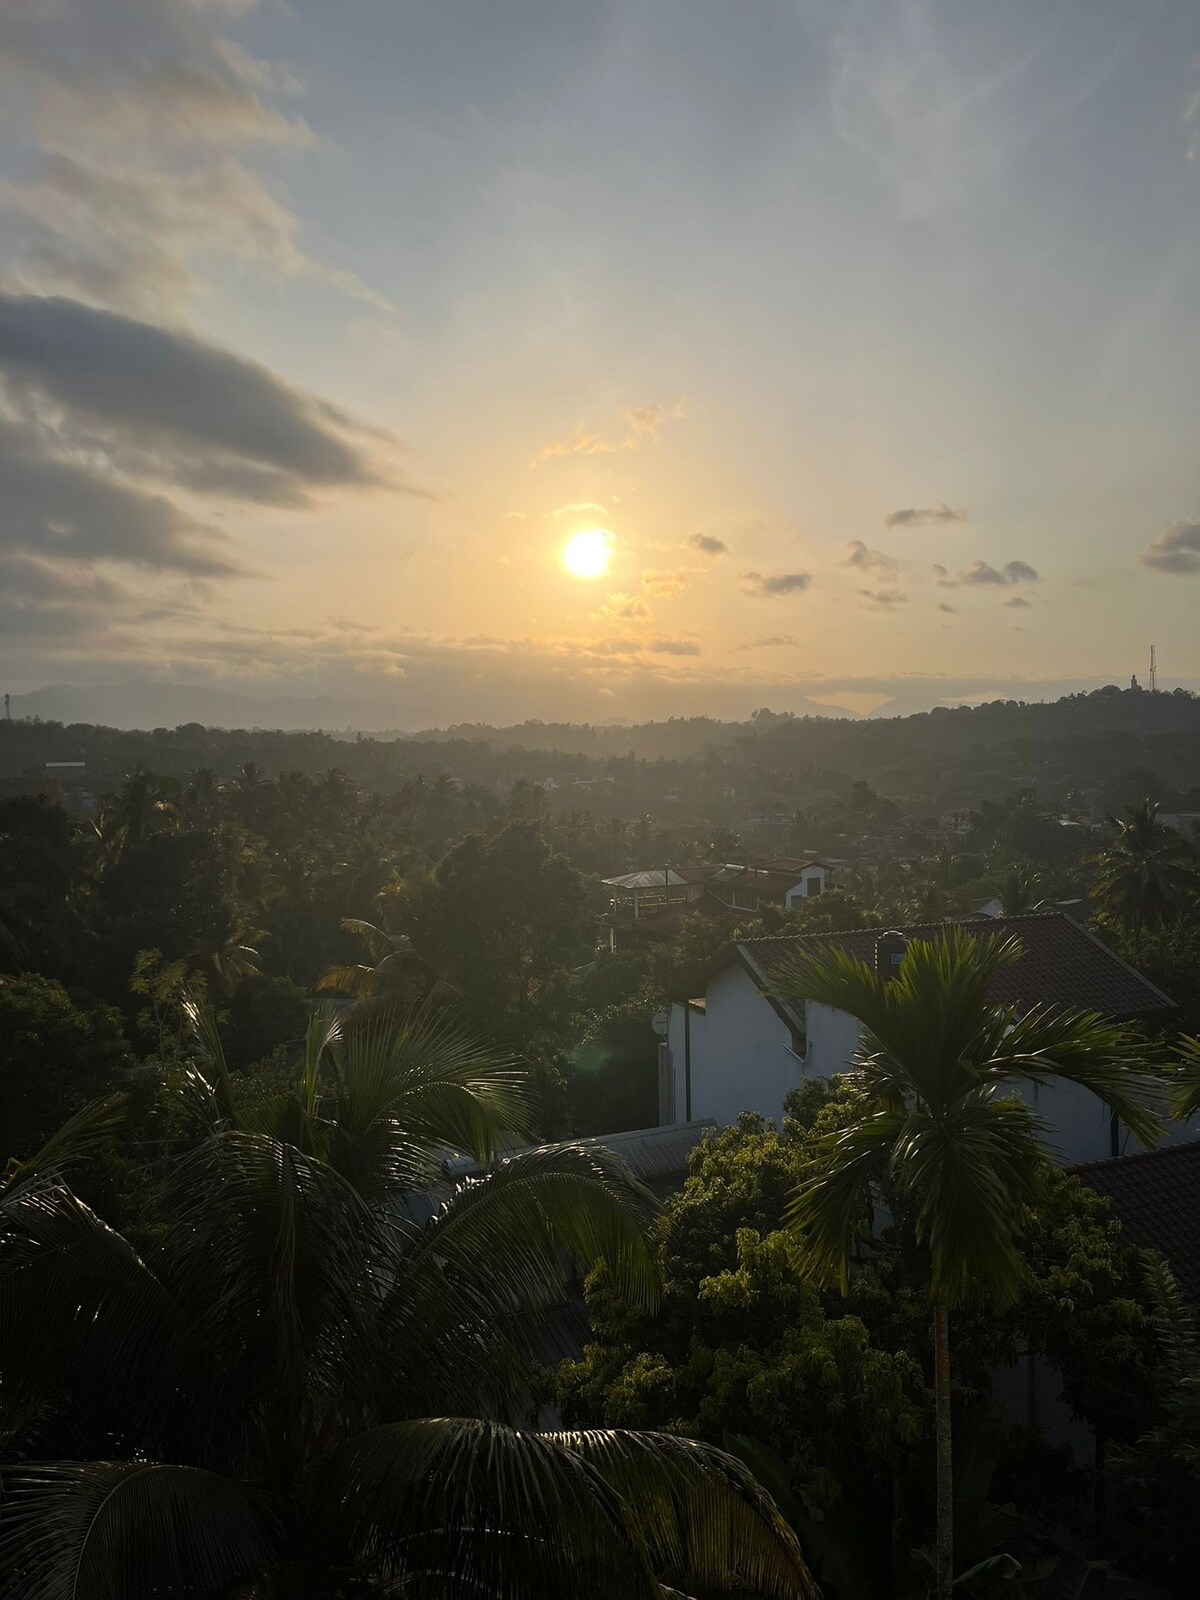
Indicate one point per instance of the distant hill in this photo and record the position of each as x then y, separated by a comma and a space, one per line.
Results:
168, 705
1106, 746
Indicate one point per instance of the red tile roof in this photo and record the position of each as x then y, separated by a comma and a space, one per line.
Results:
1156, 1195
1062, 963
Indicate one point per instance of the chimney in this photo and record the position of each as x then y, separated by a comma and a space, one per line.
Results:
889, 953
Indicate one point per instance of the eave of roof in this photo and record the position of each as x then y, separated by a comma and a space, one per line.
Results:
1090, 975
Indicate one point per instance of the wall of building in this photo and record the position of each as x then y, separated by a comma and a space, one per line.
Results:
742, 1060
740, 1053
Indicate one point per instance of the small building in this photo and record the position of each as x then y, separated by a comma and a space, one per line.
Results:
1156, 1197
649, 906
738, 1041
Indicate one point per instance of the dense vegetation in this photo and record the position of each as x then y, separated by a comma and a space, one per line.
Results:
172, 919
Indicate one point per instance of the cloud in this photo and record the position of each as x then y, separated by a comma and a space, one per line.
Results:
1020, 572
924, 516
1019, 603
1175, 549
666, 585
709, 544
772, 641
883, 599
642, 425
162, 403
62, 506
769, 586
624, 608
148, 72
867, 560
982, 574
129, 238
942, 606
674, 647
577, 507
141, 113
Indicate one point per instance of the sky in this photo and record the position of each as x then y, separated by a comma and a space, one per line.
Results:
858, 338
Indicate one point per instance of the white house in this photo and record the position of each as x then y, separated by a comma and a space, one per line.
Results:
734, 1043
652, 903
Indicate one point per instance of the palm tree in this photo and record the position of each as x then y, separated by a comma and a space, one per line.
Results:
1148, 873
300, 1390
942, 1137
142, 803
399, 972
1018, 891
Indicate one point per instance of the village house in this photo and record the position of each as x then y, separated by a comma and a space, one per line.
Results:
736, 1038
649, 906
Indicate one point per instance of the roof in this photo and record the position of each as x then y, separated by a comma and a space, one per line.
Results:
1062, 963
651, 878
1156, 1195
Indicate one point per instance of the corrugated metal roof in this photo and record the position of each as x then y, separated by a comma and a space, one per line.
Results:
652, 878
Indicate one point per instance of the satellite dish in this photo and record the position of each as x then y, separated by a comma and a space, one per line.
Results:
659, 1022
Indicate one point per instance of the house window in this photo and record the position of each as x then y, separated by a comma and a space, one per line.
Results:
745, 900
813, 885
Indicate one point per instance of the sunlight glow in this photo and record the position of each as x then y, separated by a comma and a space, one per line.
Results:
587, 553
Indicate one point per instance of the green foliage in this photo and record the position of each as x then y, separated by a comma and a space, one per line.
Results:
837, 1391
268, 1395
54, 1057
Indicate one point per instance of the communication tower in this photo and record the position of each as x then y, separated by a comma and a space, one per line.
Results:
1153, 684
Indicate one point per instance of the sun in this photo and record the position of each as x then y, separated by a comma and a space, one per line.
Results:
587, 553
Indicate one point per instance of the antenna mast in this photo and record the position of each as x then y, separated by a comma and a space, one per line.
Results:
1153, 668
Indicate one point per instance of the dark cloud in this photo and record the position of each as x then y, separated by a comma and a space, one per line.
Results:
883, 599
942, 606
924, 516
867, 560
674, 647
1175, 549
982, 574
769, 586
182, 408
709, 544
1019, 603
57, 506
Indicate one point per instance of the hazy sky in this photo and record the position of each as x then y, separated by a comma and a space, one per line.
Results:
869, 331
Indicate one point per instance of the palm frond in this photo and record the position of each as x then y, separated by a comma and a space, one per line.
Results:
1085, 1048
1185, 1081
379, 943
206, 1037
709, 1527
88, 1130
970, 1177
519, 1226
92, 1529
519, 1515
356, 981
76, 1299
829, 1209
270, 1252
479, 1508
410, 1085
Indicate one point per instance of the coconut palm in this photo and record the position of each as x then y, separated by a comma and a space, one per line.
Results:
399, 972
300, 1389
1019, 891
1148, 873
942, 1137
